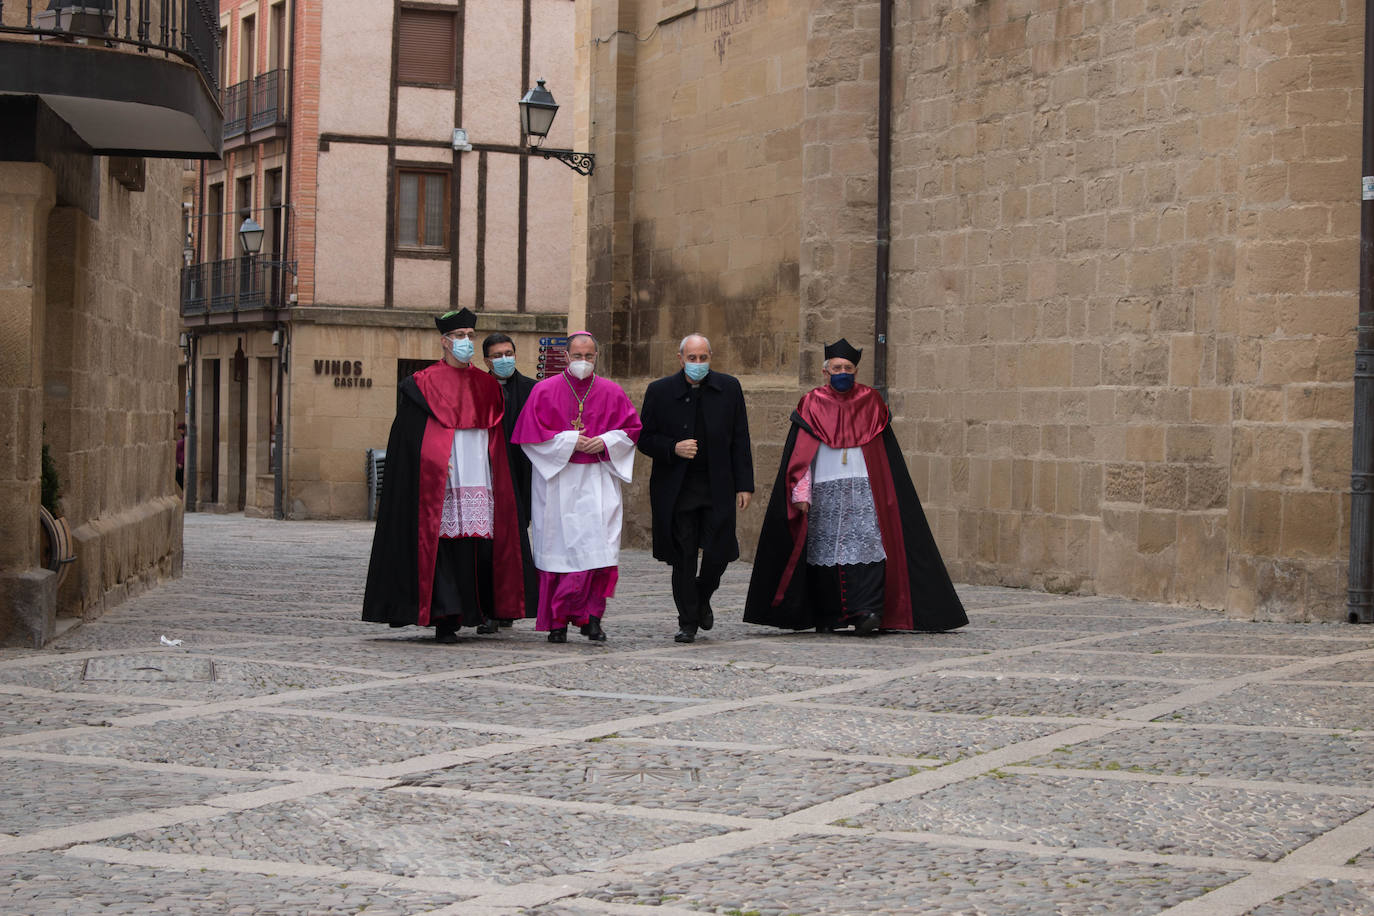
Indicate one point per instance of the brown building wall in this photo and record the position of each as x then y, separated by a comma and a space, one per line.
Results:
1123, 266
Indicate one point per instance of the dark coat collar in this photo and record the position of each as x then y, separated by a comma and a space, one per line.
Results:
681, 386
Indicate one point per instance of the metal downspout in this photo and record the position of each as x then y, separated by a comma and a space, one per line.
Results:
278, 434
1358, 602
884, 237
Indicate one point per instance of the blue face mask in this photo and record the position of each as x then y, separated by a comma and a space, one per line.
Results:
503, 366
462, 350
696, 371
842, 381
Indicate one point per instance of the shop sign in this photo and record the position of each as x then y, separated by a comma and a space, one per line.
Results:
347, 373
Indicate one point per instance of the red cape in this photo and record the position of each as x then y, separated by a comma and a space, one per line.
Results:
467, 399
851, 419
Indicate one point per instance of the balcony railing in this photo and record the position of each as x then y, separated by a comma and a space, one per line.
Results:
249, 283
188, 29
269, 99
235, 103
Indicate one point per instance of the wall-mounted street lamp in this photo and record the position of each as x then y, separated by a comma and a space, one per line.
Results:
537, 109
250, 235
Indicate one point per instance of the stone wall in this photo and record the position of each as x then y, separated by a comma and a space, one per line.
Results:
1123, 264
90, 327
1124, 270
111, 403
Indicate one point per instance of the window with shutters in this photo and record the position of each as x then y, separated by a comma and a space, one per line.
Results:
427, 52
421, 210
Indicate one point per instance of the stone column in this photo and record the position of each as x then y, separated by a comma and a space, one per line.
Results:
28, 594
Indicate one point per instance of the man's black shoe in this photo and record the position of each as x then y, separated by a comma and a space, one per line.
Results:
558, 635
446, 637
487, 627
686, 634
706, 618
503, 623
868, 624
592, 630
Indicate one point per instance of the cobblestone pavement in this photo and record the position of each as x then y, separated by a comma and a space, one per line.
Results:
1061, 755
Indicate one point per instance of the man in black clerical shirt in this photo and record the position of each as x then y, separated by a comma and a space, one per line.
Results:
498, 351
697, 433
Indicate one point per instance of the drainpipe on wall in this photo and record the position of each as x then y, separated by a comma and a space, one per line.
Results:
884, 239
1358, 601
278, 433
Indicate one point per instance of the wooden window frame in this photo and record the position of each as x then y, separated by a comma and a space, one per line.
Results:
421, 250
451, 14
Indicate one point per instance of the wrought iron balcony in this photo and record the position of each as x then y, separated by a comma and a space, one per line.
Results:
157, 98
236, 99
269, 100
236, 290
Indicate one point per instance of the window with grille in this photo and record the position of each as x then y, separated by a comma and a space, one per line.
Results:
427, 47
422, 210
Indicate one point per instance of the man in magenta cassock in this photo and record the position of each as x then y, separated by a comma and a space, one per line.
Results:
579, 431
446, 550
844, 541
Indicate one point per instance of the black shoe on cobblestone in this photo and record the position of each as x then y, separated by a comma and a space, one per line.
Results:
486, 627
686, 634
558, 635
592, 630
706, 618
503, 623
868, 625
446, 637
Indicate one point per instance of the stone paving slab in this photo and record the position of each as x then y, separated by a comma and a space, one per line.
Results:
665, 677
1202, 642
1103, 662
399, 656
420, 835
1073, 811
42, 794
834, 650
1279, 704
738, 783
263, 740
44, 885
231, 679
843, 875
1338, 760
21, 715
1361, 670
875, 732
1346, 898
993, 695
463, 701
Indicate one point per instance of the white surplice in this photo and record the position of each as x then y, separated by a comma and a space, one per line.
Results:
575, 509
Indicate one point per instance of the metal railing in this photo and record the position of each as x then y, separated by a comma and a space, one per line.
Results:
269, 99
251, 282
186, 29
234, 101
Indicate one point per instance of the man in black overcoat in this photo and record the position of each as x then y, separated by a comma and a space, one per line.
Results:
697, 433
498, 351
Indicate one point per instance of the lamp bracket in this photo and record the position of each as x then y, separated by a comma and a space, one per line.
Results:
581, 163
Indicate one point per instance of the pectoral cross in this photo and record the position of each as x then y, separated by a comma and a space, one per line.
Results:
577, 421
844, 457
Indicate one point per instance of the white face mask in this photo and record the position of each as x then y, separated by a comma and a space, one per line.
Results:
579, 368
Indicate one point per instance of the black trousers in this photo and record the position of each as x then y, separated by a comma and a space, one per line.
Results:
462, 583
847, 593
693, 586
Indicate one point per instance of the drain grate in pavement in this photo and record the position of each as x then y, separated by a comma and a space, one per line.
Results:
654, 775
135, 668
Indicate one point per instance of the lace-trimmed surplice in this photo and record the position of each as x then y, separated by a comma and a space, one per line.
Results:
469, 511
842, 527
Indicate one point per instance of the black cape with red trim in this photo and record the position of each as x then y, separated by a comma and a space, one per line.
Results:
917, 591
431, 405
